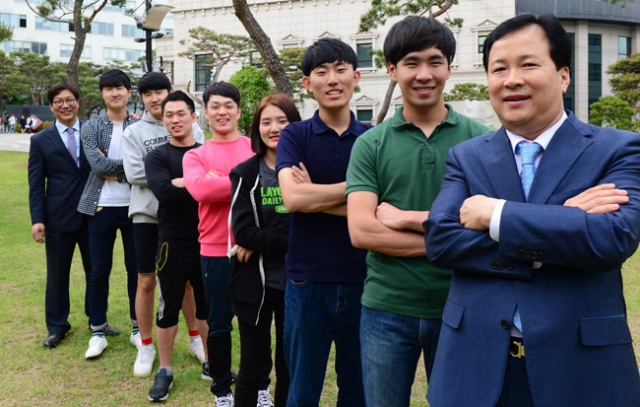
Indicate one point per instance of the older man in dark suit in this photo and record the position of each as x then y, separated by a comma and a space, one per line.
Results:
58, 172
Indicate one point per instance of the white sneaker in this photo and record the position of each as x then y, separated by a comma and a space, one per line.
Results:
136, 340
96, 345
226, 401
144, 361
264, 399
196, 349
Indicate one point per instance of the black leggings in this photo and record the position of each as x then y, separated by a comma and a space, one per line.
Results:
255, 354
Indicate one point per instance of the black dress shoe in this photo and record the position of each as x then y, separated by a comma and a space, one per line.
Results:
53, 340
110, 331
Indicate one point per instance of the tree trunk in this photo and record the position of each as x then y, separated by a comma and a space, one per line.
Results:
221, 65
263, 43
386, 102
78, 46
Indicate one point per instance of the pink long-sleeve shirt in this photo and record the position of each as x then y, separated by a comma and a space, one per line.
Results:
214, 194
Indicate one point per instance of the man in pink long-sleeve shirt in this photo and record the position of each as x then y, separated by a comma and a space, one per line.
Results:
206, 177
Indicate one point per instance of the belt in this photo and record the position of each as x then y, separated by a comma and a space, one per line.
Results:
516, 348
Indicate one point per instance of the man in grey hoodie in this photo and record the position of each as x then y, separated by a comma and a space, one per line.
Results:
138, 140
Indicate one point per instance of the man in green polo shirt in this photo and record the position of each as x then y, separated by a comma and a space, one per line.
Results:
394, 175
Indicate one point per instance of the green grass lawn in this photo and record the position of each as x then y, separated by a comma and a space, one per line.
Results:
33, 375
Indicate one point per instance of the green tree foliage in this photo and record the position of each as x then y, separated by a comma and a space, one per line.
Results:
9, 89
610, 111
80, 14
625, 79
467, 91
6, 32
222, 48
253, 87
291, 59
35, 75
382, 10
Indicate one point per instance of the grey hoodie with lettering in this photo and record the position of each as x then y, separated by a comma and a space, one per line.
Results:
139, 139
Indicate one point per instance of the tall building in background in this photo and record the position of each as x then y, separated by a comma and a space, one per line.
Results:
602, 34
111, 37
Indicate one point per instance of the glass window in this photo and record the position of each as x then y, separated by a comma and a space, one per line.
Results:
365, 59
43, 24
129, 55
101, 28
26, 46
66, 50
23, 21
365, 115
595, 68
203, 73
569, 96
13, 20
624, 47
132, 31
481, 40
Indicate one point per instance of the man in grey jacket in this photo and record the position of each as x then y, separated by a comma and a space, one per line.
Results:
140, 139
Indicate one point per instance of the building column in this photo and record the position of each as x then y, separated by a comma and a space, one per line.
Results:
581, 70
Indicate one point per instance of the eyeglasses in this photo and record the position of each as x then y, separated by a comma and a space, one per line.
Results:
60, 102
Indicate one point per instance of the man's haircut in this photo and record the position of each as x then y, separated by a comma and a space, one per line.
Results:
284, 103
178, 96
224, 89
559, 41
113, 78
415, 33
153, 81
58, 87
326, 51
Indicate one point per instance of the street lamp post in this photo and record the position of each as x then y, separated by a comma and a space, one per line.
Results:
151, 21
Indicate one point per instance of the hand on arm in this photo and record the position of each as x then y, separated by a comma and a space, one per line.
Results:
37, 231
244, 254
367, 232
100, 164
308, 197
397, 219
603, 198
476, 211
203, 183
178, 182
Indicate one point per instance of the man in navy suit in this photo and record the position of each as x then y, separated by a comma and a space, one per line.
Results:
536, 220
58, 172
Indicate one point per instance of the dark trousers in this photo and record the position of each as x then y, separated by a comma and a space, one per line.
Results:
516, 391
102, 235
216, 273
255, 354
59, 248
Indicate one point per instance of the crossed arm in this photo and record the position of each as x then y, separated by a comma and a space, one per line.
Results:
101, 165
299, 194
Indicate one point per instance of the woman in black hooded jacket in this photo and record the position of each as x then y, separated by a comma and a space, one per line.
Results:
260, 224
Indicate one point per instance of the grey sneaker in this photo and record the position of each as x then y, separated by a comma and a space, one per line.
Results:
161, 385
226, 401
264, 399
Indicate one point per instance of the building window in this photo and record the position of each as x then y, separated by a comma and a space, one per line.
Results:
13, 20
203, 73
595, 68
101, 28
129, 55
481, 40
43, 24
365, 58
570, 94
365, 115
624, 47
26, 46
66, 50
132, 31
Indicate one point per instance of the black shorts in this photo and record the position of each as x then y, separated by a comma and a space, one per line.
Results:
178, 261
145, 237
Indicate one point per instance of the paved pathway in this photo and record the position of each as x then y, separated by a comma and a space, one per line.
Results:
14, 142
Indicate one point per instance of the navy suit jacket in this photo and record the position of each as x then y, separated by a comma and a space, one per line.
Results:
55, 182
577, 341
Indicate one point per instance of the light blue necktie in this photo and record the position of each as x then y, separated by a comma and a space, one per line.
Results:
529, 152
71, 144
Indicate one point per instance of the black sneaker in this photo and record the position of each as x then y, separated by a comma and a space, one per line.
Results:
161, 385
205, 372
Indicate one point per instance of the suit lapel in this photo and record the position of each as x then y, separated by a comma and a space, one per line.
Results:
56, 140
562, 152
501, 167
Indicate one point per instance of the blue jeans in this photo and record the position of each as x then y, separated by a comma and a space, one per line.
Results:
102, 236
391, 346
317, 314
216, 273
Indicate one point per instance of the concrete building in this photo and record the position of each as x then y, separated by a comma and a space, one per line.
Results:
111, 37
602, 34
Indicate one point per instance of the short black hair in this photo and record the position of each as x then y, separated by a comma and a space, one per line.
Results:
58, 87
222, 88
281, 101
559, 41
178, 96
325, 51
153, 81
113, 78
415, 33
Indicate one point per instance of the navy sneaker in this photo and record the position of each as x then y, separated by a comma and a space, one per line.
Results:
161, 385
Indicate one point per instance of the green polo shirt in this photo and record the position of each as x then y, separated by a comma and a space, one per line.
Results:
398, 163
